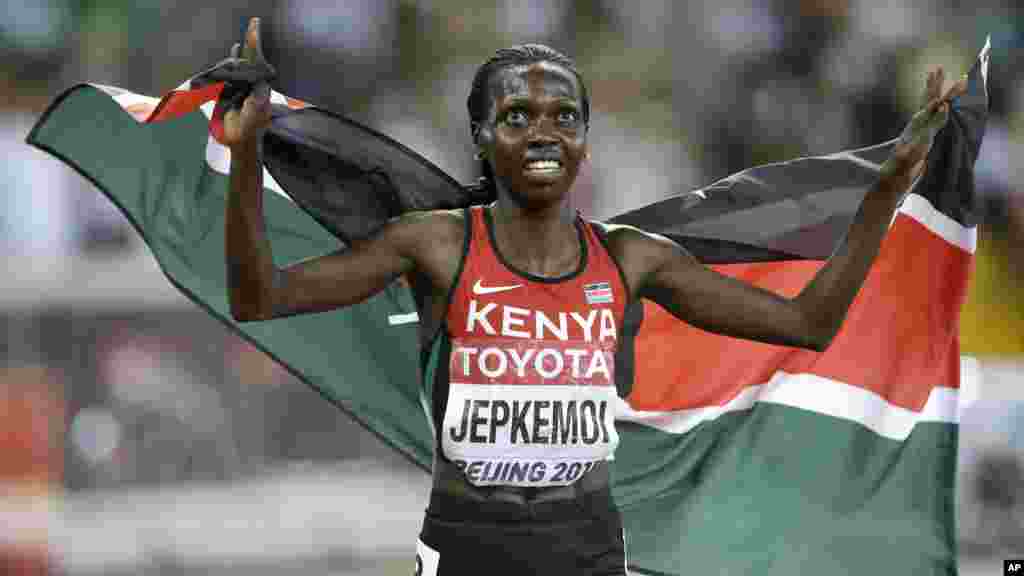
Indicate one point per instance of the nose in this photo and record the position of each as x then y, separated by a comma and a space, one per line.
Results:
541, 132
540, 136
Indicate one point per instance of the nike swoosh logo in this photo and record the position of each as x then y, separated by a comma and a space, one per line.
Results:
479, 289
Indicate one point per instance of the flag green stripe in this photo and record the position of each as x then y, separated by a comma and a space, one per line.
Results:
158, 177
780, 490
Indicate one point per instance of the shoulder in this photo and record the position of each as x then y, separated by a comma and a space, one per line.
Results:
628, 243
439, 220
426, 229
434, 240
640, 254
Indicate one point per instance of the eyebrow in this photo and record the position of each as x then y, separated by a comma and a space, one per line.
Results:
520, 100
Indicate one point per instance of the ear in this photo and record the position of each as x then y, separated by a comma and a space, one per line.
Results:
482, 137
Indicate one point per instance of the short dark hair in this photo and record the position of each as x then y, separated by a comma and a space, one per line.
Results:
516, 56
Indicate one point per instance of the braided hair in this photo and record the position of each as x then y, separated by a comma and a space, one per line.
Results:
478, 102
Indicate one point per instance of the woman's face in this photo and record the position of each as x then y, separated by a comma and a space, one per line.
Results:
534, 136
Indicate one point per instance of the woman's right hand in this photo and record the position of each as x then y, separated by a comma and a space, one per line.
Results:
245, 126
908, 155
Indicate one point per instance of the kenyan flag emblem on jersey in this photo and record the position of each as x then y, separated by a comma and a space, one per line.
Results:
598, 293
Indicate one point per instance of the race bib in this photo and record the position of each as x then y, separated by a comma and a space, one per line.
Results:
528, 413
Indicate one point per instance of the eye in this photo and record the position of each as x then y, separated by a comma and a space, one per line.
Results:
568, 117
516, 117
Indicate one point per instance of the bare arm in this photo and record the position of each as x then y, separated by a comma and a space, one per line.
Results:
668, 275
251, 273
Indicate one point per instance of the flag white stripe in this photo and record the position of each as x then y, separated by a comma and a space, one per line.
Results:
920, 209
398, 319
124, 98
822, 395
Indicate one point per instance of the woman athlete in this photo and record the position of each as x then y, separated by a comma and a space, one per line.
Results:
521, 310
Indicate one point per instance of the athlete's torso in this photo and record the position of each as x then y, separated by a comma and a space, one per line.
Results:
523, 373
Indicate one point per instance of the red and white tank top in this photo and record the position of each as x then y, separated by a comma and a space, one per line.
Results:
530, 369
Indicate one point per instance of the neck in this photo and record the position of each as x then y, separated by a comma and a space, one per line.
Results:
541, 241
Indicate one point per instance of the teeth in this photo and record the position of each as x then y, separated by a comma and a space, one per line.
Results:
543, 165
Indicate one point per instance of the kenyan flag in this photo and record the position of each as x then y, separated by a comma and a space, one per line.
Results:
735, 457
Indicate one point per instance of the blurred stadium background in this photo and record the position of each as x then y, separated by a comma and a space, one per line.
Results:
137, 436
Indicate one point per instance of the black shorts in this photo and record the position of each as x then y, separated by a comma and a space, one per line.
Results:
564, 538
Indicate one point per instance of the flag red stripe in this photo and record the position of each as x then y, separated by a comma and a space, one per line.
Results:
181, 102
296, 104
899, 339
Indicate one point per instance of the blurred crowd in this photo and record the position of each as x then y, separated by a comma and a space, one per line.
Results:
128, 392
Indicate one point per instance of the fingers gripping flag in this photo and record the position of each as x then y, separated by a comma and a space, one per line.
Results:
736, 457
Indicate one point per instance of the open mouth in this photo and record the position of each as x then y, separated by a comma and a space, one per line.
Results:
543, 167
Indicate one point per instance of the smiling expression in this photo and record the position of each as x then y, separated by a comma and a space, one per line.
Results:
534, 136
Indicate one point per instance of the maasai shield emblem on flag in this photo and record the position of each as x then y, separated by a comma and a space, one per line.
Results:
735, 457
